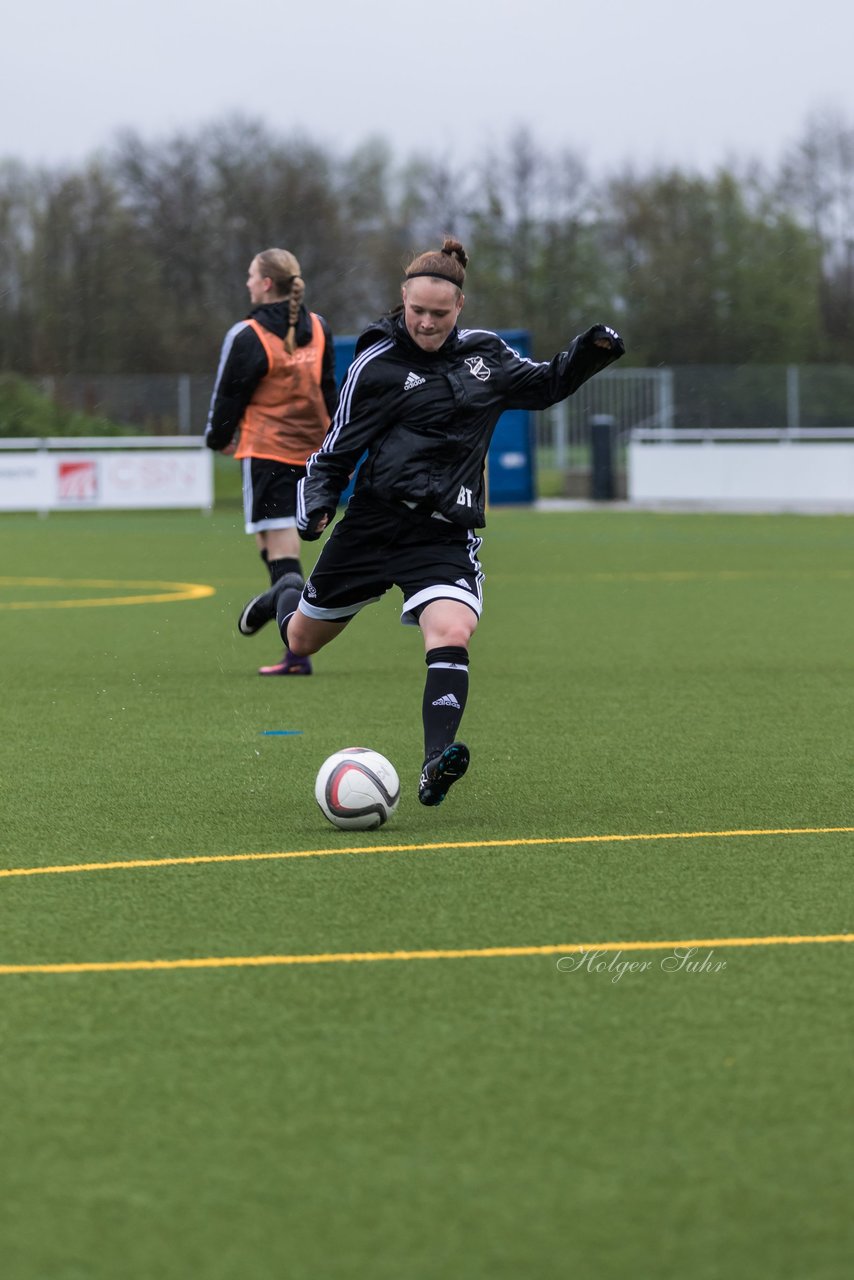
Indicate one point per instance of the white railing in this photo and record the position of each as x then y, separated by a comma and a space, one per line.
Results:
59, 473
767, 435
766, 469
103, 442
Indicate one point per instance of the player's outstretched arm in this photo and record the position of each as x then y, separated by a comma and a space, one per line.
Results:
536, 385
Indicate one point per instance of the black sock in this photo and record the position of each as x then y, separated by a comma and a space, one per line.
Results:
278, 568
445, 693
286, 607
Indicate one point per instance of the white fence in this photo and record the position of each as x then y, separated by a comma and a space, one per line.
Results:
772, 398
627, 397
760, 470
101, 473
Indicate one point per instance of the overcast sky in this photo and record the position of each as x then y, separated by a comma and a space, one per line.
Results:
643, 81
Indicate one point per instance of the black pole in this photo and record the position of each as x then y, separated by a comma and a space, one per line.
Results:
602, 487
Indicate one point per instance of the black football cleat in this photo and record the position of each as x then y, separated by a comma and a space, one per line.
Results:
262, 609
441, 772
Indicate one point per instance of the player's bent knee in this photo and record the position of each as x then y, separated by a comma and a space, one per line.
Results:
457, 633
307, 635
299, 638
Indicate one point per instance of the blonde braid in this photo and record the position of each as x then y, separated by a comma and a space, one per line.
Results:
295, 300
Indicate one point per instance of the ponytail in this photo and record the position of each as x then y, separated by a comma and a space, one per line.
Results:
295, 298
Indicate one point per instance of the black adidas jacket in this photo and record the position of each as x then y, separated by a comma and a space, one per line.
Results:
426, 418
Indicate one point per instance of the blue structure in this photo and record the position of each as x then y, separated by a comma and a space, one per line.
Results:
510, 466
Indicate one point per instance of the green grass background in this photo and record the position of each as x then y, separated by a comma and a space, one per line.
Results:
634, 673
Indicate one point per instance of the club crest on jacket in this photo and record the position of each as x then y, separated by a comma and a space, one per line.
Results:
478, 367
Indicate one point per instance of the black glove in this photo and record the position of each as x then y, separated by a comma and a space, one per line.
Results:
316, 523
602, 335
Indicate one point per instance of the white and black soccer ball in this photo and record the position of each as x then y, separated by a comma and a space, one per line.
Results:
357, 789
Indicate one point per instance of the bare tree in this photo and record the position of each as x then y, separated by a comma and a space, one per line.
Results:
17, 198
817, 180
537, 254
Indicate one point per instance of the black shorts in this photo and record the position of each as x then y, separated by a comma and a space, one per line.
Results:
269, 494
376, 546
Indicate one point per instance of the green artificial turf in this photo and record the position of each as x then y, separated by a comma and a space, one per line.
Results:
635, 675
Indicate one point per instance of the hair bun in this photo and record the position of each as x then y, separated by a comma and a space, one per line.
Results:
454, 249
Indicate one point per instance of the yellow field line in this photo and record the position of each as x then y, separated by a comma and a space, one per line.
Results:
373, 957
166, 592
175, 591
135, 864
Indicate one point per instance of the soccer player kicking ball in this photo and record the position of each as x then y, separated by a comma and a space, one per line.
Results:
421, 399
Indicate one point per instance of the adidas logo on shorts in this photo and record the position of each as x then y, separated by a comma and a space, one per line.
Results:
413, 380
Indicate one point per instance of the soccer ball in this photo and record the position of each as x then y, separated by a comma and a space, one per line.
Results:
357, 789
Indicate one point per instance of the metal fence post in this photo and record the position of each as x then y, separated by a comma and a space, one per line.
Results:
793, 398
559, 420
602, 457
184, 406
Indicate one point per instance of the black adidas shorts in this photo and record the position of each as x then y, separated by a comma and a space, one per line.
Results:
269, 494
376, 546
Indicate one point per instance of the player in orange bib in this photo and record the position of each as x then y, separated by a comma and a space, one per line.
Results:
273, 399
